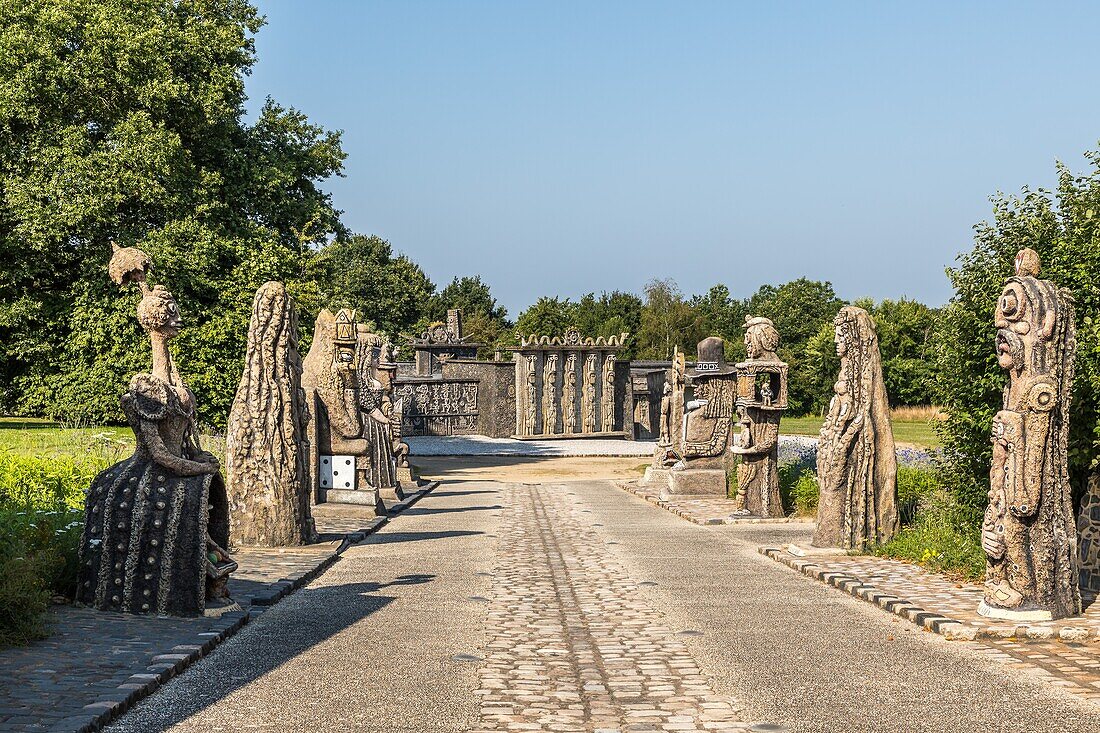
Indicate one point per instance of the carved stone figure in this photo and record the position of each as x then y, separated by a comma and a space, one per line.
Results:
569, 395
343, 421
588, 394
1088, 540
267, 454
156, 525
550, 395
761, 400
531, 395
665, 435
608, 393
856, 463
1029, 535
707, 424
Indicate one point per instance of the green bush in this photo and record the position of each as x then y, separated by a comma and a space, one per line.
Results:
803, 492
41, 500
944, 535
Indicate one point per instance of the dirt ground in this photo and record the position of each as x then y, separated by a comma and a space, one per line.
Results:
515, 468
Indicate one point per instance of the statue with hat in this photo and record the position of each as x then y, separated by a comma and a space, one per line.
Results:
707, 424
761, 401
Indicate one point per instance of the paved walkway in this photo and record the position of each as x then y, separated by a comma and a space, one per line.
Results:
579, 607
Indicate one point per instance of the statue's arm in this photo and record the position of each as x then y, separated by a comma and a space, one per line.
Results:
160, 454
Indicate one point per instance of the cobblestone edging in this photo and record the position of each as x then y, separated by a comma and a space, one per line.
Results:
701, 510
949, 627
166, 663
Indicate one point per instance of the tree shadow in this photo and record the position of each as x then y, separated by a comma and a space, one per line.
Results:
391, 537
311, 617
451, 510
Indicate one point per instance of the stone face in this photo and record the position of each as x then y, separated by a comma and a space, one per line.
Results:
761, 401
156, 524
707, 425
267, 451
1029, 535
856, 462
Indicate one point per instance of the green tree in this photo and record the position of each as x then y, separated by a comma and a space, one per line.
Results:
723, 315
361, 272
124, 121
547, 317
484, 321
668, 321
1064, 228
906, 334
610, 315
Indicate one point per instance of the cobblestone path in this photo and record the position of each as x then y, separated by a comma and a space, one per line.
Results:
571, 645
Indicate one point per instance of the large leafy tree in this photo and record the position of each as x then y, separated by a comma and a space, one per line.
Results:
1064, 227
125, 121
484, 320
668, 321
547, 317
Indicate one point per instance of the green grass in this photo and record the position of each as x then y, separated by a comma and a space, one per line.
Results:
919, 433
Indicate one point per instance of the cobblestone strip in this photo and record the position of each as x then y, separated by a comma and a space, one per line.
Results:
708, 510
571, 645
930, 600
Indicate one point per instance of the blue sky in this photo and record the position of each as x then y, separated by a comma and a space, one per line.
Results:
558, 148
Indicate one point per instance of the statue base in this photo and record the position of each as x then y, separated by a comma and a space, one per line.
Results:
696, 482
655, 476
394, 493
409, 476
359, 498
1007, 614
799, 551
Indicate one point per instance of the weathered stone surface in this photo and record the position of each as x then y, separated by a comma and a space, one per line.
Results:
267, 454
1088, 540
1029, 535
704, 442
156, 524
856, 463
761, 401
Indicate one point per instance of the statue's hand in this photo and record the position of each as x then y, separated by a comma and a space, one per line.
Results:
211, 460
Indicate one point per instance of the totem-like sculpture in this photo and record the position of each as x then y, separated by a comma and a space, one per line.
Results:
550, 395
607, 395
156, 525
1088, 540
857, 467
761, 400
588, 394
351, 445
267, 453
531, 396
569, 395
1029, 535
707, 425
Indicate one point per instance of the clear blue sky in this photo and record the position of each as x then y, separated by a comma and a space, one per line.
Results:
557, 148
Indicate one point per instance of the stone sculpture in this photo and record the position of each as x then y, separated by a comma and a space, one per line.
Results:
531, 395
761, 400
607, 395
569, 395
156, 525
856, 463
344, 424
1028, 534
664, 437
267, 454
707, 425
1088, 541
550, 395
588, 394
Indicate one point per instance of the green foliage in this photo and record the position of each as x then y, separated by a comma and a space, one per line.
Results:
124, 121
389, 292
668, 321
1064, 228
800, 491
944, 535
484, 321
610, 315
547, 317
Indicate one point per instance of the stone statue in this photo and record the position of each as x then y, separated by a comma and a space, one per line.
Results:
856, 463
531, 392
1088, 540
156, 525
569, 394
1029, 535
550, 395
588, 394
608, 395
707, 424
664, 437
267, 453
761, 399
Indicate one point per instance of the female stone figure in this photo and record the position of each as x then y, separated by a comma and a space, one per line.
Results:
856, 463
588, 394
156, 524
569, 395
550, 395
1028, 535
608, 394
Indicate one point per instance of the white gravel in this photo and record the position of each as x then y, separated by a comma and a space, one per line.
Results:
479, 445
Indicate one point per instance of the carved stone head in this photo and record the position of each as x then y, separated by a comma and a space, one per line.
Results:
1025, 318
158, 312
761, 339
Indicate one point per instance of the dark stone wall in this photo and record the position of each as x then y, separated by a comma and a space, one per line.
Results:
496, 394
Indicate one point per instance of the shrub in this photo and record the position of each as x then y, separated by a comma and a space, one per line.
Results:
804, 494
945, 534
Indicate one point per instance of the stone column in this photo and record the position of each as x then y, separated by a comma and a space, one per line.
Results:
569, 395
608, 394
588, 394
550, 407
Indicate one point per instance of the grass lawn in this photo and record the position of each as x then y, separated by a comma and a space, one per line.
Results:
28, 436
918, 433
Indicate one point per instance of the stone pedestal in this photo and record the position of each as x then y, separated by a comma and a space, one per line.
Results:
409, 478
655, 476
359, 498
696, 482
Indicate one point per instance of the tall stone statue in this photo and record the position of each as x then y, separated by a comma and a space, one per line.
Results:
664, 436
1029, 535
569, 395
607, 394
761, 400
857, 466
267, 453
707, 425
588, 394
156, 525
531, 394
550, 395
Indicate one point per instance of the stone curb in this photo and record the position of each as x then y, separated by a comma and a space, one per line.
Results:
639, 491
166, 665
951, 629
